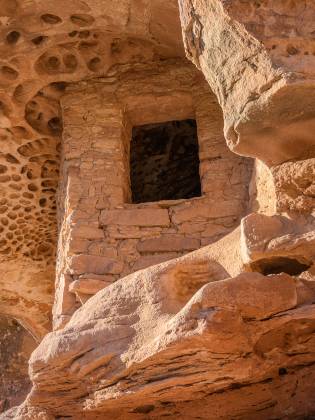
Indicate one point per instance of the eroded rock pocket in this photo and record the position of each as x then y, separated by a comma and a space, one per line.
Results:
277, 265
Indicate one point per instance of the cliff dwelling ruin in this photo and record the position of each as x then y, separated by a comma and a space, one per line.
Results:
164, 161
157, 196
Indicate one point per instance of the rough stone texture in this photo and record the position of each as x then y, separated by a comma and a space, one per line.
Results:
16, 347
265, 239
44, 45
221, 332
27, 293
242, 346
295, 186
102, 232
262, 191
268, 97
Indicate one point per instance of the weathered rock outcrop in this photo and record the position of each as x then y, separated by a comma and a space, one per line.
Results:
258, 57
226, 331
150, 345
186, 339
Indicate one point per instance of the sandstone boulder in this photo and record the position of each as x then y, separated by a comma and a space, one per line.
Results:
257, 58
150, 344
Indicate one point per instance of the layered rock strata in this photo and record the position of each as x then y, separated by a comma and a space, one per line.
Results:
225, 331
183, 339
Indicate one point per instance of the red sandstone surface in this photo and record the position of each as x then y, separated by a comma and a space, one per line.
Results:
157, 203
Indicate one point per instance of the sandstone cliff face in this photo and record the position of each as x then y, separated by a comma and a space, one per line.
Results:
270, 46
200, 307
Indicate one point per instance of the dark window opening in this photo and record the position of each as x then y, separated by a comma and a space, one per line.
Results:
164, 162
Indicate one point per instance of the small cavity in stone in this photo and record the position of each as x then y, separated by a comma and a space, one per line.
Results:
39, 39
13, 37
51, 19
277, 265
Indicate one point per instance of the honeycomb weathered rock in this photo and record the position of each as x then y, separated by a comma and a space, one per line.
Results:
226, 331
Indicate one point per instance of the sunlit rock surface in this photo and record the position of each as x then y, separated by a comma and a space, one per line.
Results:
173, 296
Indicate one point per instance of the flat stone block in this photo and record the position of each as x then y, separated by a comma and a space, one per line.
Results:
83, 263
168, 243
87, 286
136, 217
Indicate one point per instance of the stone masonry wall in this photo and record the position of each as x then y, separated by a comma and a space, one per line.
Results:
102, 235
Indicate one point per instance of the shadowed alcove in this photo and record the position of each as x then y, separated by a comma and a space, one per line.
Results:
164, 161
17, 344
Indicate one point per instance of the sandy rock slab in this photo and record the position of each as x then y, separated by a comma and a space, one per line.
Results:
149, 346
